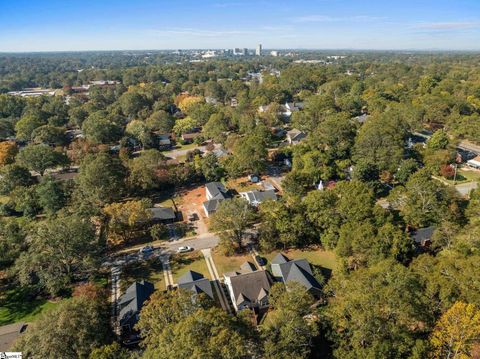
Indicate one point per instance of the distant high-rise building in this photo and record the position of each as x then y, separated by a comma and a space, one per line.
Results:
258, 50
245, 51
274, 53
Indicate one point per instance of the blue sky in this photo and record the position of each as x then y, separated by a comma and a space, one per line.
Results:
39, 25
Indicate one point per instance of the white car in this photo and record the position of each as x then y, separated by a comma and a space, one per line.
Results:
184, 249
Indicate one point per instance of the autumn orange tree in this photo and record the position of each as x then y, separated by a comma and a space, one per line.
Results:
457, 332
8, 151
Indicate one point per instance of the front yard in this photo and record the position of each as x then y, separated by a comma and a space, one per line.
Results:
150, 270
194, 261
229, 264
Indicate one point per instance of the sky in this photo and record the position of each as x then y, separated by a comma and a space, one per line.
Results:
72, 25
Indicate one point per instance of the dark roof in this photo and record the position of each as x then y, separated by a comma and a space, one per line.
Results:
196, 283
296, 135
190, 276
216, 189
162, 213
251, 286
423, 234
132, 301
8, 334
297, 270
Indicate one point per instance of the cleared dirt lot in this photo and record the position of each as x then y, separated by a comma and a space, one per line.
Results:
189, 201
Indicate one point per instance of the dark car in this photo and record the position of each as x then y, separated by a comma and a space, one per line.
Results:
260, 260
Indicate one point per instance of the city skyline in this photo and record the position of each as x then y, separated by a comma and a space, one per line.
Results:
216, 24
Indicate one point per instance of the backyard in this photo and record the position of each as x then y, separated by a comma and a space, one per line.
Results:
315, 256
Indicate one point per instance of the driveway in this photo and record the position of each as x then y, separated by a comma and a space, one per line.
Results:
465, 188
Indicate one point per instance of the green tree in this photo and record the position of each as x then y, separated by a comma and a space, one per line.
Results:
289, 332
211, 168
52, 195
101, 178
438, 141
233, 217
148, 171
12, 176
160, 121
39, 158
131, 103
70, 331
27, 124
98, 129
368, 321
111, 351
381, 141
49, 134
60, 251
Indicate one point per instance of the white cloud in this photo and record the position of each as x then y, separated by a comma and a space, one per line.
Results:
446, 26
325, 18
201, 33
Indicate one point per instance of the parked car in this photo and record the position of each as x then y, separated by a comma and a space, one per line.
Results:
184, 249
260, 260
146, 249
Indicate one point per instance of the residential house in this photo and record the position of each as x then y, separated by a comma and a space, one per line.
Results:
190, 137
163, 214
295, 136
249, 288
196, 283
9, 334
423, 236
297, 270
291, 107
256, 197
215, 193
130, 304
164, 142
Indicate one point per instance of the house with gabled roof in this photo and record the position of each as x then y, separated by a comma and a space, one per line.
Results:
255, 197
130, 304
249, 288
297, 270
215, 193
295, 136
196, 283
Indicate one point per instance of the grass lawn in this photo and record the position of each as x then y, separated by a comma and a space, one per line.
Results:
229, 264
464, 176
17, 306
315, 256
150, 270
181, 263
241, 184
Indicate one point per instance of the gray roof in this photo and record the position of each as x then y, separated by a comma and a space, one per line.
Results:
196, 283
216, 189
296, 135
212, 205
423, 234
132, 301
248, 267
280, 258
251, 285
297, 270
256, 197
162, 213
